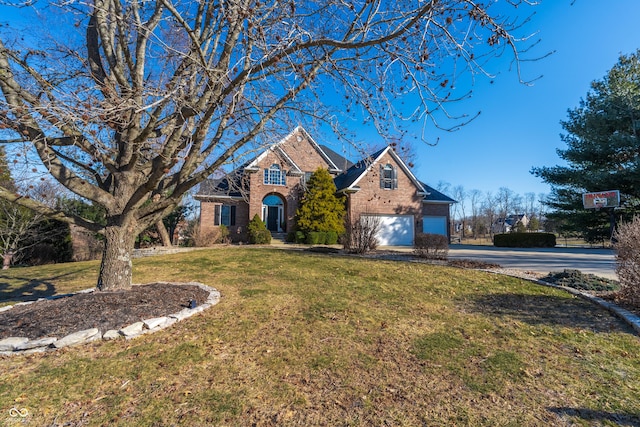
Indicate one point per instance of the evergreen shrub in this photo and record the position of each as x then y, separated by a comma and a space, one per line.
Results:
316, 238
332, 238
525, 240
258, 233
321, 209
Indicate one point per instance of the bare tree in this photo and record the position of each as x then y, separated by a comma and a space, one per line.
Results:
474, 200
489, 208
360, 234
443, 187
132, 101
505, 202
22, 228
460, 195
529, 202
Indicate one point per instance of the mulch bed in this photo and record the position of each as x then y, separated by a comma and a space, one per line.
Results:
102, 310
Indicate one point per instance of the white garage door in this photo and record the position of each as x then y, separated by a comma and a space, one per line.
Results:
395, 230
434, 225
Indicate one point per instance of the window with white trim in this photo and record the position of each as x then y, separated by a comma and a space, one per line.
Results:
388, 177
275, 176
224, 215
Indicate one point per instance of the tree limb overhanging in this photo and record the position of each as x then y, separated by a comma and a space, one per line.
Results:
151, 97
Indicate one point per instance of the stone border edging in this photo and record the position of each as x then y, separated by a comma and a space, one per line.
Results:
21, 345
628, 317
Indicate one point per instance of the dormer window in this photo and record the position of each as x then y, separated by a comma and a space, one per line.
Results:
388, 177
275, 176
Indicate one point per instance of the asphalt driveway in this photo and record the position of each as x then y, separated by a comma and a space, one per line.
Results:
600, 262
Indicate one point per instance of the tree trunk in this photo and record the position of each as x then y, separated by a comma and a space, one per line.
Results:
6, 260
164, 234
116, 267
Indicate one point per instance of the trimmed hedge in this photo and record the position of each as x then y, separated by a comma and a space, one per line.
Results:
316, 238
525, 240
313, 237
332, 238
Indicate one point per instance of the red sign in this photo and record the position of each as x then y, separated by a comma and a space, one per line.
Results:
602, 199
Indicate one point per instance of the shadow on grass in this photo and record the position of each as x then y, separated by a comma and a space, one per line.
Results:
548, 310
592, 415
16, 288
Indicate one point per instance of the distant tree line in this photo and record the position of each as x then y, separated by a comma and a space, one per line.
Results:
480, 214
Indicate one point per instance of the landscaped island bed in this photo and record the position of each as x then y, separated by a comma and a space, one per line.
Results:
315, 339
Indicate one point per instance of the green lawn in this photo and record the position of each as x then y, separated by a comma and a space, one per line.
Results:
310, 339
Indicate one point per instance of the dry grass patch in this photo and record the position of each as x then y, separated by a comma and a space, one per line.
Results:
312, 339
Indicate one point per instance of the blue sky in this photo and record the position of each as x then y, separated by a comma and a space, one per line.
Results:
519, 126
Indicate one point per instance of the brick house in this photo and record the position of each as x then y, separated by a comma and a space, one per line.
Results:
272, 185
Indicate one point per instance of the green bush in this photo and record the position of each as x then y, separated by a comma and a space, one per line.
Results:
332, 238
321, 209
524, 240
291, 237
300, 237
258, 233
316, 238
433, 246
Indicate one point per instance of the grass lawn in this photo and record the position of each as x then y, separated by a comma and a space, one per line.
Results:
310, 339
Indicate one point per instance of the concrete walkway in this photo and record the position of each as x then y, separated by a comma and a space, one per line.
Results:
600, 262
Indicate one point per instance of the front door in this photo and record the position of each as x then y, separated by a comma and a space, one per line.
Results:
273, 213
272, 218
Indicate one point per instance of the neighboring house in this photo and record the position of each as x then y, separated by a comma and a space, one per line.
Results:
272, 185
505, 225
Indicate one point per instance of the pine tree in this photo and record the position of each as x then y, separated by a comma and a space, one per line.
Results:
320, 208
603, 135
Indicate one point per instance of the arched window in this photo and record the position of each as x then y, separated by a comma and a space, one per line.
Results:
274, 176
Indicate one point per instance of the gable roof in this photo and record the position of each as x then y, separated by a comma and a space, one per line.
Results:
230, 186
434, 196
338, 159
348, 181
227, 187
328, 157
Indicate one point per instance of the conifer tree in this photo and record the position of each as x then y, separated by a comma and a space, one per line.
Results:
602, 153
320, 208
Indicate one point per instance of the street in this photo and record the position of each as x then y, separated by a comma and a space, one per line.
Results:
600, 262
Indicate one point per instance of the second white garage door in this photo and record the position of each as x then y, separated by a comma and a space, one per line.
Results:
395, 230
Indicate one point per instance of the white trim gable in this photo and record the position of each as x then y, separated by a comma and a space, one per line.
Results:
334, 167
253, 166
289, 160
398, 160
